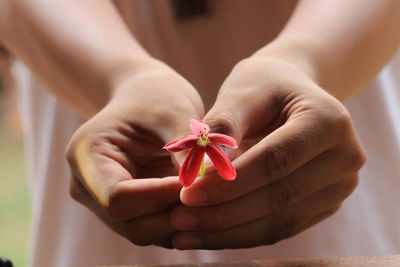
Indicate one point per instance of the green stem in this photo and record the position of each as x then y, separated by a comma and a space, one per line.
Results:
203, 167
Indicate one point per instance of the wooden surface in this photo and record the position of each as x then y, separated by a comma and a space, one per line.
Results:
373, 261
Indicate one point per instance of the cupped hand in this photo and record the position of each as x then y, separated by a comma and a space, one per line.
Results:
298, 159
111, 153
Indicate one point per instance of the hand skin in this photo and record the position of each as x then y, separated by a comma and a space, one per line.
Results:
299, 155
81, 65
298, 159
84, 54
112, 151
99, 78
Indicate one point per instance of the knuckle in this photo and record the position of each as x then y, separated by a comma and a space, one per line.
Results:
114, 204
341, 121
164, 113
336, 120
74, 191
353, 183
357, 159
325, 214
218, 219
97, 145
69, 153
243, 65
276, 161
347, 187
340, 191
138, 239
281, 195
332, 211
283, 229
165, 116
142, 243
249, 65
138, 233
79, 138
222, 122
90, 144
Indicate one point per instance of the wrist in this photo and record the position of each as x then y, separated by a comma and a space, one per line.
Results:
107, 80
305, 55
294, 53
128, 69
153, 83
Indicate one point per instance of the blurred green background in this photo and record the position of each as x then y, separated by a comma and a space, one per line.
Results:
14, 197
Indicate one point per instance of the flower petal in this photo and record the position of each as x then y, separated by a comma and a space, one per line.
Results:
181, 143
221, 162
191, 165
199, 127
222, 139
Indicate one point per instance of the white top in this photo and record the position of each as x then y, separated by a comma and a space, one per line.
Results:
64, 233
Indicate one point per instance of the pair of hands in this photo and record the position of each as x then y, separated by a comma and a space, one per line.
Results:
298, 158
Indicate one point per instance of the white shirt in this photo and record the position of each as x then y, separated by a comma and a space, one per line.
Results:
64, 233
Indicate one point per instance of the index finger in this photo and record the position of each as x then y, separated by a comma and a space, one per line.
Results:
295, 143
112, 185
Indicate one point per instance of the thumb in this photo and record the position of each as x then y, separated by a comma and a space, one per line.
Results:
242, 113
227, 118
179, 130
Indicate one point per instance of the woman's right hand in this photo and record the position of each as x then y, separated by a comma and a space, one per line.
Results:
119, 170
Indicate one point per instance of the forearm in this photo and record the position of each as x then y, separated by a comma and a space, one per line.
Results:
80, 50
340, 44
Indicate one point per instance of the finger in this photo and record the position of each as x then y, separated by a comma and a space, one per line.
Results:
79, 193
266, 200
232, 115
250, 104
142, 231
283, 151
138, 197
240, 238
112, 186
269, 229
151, 229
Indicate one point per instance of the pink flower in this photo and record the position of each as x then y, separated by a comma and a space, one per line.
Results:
199, 143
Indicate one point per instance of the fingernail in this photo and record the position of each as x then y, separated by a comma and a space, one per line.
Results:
190, 242
185, 221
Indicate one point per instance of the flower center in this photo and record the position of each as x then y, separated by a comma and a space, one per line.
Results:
203, 138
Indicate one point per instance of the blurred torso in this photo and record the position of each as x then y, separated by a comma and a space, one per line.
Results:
204, 47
